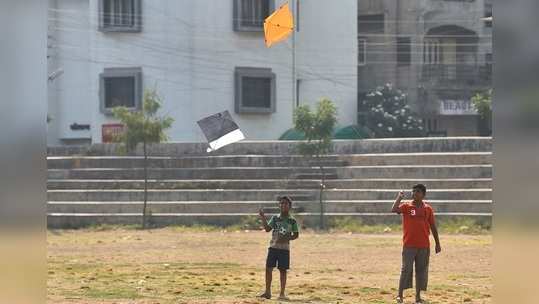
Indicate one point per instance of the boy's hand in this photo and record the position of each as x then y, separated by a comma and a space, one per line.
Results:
400, 196
438, 248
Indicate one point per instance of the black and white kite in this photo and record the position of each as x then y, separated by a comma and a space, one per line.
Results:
220, 130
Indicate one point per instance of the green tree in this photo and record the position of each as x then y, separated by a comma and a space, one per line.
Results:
389, 115
144, 127
482, 102
318, 129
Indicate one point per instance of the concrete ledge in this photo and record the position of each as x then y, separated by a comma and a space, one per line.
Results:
390, 145
381, 183
445, 158
250, 195
232, 207
349, 172
64, 221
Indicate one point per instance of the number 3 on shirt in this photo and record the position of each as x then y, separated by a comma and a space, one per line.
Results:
412, 212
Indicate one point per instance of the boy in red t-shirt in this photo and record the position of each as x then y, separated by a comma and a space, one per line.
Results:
417, 222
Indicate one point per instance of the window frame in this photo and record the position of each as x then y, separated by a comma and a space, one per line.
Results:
137, 22
400, 43
432, 51
237, 17
135, 72
364, 39
241, 72
375, 27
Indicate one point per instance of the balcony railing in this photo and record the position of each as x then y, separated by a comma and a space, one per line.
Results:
458, 74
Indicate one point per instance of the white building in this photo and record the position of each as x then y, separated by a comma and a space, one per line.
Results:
203, 57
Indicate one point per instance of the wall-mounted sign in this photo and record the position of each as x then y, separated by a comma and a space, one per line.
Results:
456, 107
76, 127
109, 131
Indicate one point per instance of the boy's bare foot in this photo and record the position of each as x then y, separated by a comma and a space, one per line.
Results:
265, 295
399, 300
283, 298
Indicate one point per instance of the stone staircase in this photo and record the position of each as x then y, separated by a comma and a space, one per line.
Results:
89, 185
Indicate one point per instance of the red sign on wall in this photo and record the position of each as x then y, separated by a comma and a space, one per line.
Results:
109, 131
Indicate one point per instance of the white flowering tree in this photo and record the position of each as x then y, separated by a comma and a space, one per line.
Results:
389, 115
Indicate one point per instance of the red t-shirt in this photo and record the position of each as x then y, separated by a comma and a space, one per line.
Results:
416, 223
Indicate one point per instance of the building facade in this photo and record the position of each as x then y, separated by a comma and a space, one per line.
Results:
207, 56
202, 57
437, 51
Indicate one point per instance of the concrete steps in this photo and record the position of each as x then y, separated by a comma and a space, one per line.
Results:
184, 173
432, 158
89, 185
75, 220
250, 195
348, 172
382, 183
340, 147
190, 162
382, 159
252, 207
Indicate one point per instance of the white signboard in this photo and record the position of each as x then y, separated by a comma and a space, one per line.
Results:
456, 107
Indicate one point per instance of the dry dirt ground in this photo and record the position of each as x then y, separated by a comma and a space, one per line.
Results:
180, 266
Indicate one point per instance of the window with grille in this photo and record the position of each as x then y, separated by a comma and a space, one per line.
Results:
249, 15
119, 15
120, 87
404, 51
254, 90
361, 51
432, 51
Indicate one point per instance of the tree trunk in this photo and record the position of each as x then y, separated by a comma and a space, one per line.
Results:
145, 185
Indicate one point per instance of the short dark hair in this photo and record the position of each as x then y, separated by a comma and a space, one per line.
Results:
421, 188
287, 198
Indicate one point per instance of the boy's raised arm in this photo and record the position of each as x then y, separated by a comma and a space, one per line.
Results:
264, 221
395, 208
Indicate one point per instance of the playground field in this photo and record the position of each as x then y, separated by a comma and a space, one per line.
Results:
182, 265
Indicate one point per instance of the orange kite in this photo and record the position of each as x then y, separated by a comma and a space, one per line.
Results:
278, 25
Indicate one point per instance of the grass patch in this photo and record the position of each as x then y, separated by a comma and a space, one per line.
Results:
247, 223
460, 225
107, 292
464, 225
196, 228
350, 224
108, 227
227, 268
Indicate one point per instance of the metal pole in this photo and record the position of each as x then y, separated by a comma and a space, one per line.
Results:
295, 102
